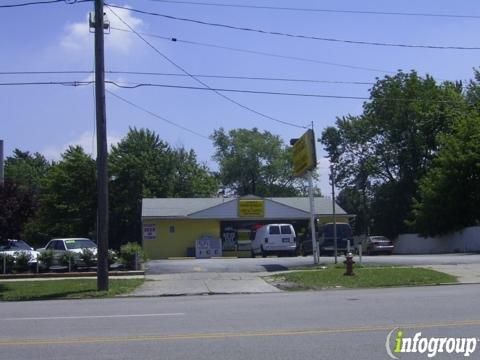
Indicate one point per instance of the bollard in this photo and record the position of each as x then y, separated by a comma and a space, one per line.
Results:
360, 254
349, 265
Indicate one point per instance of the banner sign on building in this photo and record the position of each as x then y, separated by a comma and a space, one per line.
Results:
304, 154
251, 208
149, 232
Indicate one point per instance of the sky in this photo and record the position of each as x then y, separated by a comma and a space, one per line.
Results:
56, 37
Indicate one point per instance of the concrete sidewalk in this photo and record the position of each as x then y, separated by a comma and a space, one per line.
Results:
204, 284
465, 273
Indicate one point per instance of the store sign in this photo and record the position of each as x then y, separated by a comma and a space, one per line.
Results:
251, 208
304, 154
149, 232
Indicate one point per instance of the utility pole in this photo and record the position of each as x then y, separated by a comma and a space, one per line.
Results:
332, 175
102, 171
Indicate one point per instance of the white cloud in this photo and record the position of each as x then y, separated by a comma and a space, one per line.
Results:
79, 39
86, 140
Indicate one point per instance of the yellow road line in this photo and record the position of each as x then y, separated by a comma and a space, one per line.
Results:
206, 336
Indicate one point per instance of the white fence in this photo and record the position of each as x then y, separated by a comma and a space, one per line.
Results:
467, 240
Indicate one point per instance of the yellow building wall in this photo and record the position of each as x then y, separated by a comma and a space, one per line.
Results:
167, 244
329, 219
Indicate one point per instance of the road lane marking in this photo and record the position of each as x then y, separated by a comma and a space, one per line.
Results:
90, 317
208, 336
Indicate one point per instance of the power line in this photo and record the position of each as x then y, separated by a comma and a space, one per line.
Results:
132, 86
297, 36
156, 115
361, 12
262, 53
43, 3
230, 77
200, 81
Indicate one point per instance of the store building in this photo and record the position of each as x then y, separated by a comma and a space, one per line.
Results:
171, 226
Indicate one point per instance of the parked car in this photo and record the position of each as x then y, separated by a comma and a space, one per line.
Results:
326, 239
61, 247
377, 245
15, 247
279, 239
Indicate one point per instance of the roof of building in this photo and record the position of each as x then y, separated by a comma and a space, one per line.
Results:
185, 207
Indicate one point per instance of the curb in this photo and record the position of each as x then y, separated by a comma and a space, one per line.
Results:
68, 275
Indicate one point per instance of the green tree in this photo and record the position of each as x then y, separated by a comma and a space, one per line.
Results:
385, 151
449, 195
25, 169
67, 199
252, 162
17, 206
144, 166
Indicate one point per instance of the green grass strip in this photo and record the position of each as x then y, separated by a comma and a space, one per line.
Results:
365, 277
64, 289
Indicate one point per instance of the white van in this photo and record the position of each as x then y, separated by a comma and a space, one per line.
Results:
274, 239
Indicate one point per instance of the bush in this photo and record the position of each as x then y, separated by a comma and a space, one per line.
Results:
45, 259
68, 259
128, 252
9, 261
22, 261
112, 257
88, 257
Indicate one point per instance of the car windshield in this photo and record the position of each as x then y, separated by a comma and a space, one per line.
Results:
79, 244
15, 246
343, 230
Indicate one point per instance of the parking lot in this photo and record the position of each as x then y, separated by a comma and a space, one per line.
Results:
271, 264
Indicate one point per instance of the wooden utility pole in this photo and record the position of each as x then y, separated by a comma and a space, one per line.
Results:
102, 171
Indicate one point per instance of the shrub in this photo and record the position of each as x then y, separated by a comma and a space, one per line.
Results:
8, 260
112, 257
45, 259
22, 261
128, 252
88, 257
68, 259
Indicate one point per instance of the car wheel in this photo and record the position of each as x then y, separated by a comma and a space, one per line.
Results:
253, 254
264, 254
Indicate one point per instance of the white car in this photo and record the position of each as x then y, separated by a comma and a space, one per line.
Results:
74, 245
16, 247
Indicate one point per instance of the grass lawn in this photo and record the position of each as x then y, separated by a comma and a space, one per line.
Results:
365, 277
64, 289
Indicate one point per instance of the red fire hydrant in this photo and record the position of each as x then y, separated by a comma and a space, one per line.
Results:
349, 264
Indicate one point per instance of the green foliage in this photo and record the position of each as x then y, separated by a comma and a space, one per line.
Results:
67, 201
88, 257
68, 259
252, 162
142, 165
17, 206
449, 195
26, 170
45, 259
129, 252
384, 152
8, 261
22, 259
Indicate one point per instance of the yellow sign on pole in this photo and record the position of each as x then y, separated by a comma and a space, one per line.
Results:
304, 154
251, 208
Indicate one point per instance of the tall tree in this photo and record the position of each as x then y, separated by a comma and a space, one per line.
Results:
25, 169
449, 195
385, 151
142, 166
67, 199
17, 206
252, 162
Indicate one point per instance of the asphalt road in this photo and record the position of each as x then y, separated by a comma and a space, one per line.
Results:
258, 264
337, 324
